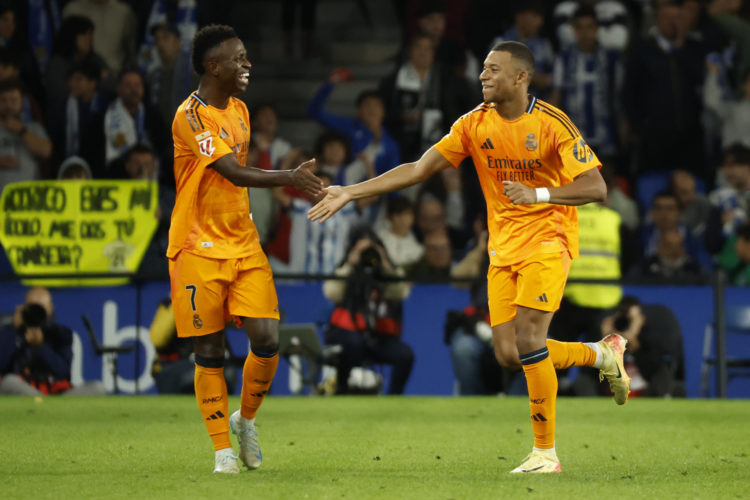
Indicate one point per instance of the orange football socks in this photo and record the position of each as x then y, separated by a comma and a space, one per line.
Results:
212, 396
257, 375
541, 381
566, 354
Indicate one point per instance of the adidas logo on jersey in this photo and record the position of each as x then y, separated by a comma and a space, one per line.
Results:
542, 298
487, 144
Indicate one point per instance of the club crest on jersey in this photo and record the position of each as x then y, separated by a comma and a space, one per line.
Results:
206, 146
531, 142
582, 152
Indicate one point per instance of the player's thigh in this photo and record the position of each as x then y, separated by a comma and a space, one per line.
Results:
252, 294
501, 294
541, 281
198, 291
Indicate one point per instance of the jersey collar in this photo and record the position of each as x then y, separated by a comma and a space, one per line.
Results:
532, 101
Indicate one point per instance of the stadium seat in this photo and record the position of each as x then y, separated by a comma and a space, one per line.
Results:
737, 321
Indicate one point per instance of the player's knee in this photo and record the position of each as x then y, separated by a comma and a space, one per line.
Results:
507, 358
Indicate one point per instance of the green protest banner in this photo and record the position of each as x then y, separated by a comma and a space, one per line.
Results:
77, 227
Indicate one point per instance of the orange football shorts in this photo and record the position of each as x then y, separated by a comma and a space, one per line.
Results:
207, 293
537, 283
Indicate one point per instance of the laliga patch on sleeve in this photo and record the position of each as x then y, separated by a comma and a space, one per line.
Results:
205, 143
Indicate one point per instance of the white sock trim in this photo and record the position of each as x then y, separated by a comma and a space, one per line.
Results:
225, 451
547, 451
598, 351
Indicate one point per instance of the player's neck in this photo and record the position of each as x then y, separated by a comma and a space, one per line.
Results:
213, 96
512, 109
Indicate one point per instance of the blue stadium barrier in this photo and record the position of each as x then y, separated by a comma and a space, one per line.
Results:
113, 311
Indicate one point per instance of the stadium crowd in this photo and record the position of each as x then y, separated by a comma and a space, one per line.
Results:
660, 90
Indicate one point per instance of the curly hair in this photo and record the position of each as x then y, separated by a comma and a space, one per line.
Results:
206, 39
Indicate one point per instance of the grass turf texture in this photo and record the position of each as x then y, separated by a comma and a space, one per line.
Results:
375, 447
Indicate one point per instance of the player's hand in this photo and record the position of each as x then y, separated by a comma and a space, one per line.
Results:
306, 181
518, 193
336, 197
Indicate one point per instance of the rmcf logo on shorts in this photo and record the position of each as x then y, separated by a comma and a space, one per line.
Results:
205, 143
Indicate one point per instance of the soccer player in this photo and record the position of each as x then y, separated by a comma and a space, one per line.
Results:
216, 266
534, 168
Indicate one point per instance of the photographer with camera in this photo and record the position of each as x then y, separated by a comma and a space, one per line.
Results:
654, 357
36, 352
367, 319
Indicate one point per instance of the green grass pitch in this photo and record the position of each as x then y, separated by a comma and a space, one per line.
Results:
375, 447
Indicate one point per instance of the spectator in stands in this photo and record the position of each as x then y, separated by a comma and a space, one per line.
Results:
74, 44
78, 124
726, 14
116, 31
36, 352
431, 216
661, 94
23, 146
699, 26
618, 201
272, 149
140, 163
611, 17
74, 168
584, 83
397, 236
731, 202
452, 54
665, 217
422, 99
694, 206
528, 21
10, 70
468, 332
732, 112
172, 80
17, 42
367, 319
127, 121
366, 131
671, 261
734, 258
654, 357
436, 261
314, 248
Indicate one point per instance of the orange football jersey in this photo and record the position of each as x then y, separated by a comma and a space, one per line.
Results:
211, 216
542, 148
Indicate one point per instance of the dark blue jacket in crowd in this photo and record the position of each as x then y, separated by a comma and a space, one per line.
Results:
359, 135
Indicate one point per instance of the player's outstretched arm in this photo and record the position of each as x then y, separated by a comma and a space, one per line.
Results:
588, 187
301, 177
405, 175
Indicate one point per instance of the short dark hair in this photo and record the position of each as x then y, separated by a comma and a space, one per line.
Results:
666, 193
131, 69
11, 84
399, 205
333, 136
206, 39
71, 27
519, 52
737, 154
88, 67
367, 94
585, 11
743, 232
137, 148
8, 58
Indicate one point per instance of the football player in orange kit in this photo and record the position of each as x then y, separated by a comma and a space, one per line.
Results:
534, 168
217, 268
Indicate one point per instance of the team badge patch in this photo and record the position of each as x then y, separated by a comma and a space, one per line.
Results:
197, 322
531, 142
206, 146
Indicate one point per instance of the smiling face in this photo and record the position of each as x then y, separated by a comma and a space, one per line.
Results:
229, 65
502, 78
